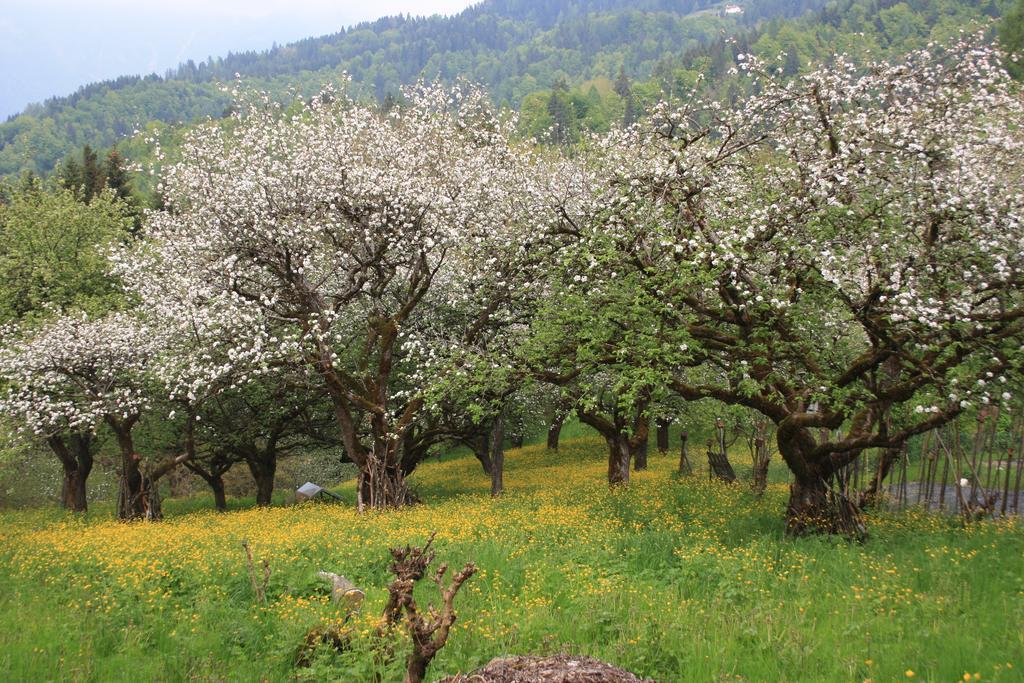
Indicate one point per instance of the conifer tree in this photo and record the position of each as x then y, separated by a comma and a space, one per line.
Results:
92, 174
622, 85
70, 174
116, 174
624, 89
560, 110
1011, 33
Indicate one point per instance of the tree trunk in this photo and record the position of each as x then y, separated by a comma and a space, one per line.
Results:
139, 496
263, 467
761, 458
414, 451
481, 449
555, 431
416, 668
759, 481
516, 440
616, 433
888, 458
363, 494
382, 482
498, 456
638, 443
382, 475
383, 487
265, 487
220, 500
815, 505
640, 460
151, 495
132, 499
216, 483
76, 463
151, 484
619, 455
214, 478
72, 494
662, 438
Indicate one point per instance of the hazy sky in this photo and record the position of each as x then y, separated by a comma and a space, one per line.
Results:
50, 47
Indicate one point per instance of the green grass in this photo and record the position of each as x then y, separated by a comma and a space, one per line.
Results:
675, 579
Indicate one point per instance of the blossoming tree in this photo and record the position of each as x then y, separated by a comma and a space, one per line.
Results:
844, 249
337, 224
67, 379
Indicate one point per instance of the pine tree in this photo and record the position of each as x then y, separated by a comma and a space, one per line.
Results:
629, 114
116, 174
1011, 33
622, 85
791, 67
93, 178
624, 89
28, 183
70, 174
560, 110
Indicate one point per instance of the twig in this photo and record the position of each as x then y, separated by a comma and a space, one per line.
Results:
259, 589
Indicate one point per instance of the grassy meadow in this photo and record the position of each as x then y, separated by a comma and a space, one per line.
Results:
675, 579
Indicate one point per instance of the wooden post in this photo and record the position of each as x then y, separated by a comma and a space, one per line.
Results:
498, 456
662, 427
685, 467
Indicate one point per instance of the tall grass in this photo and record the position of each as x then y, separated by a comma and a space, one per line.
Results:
678, 579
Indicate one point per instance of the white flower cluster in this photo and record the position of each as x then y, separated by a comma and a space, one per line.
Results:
825, 224
75, 372
360, 244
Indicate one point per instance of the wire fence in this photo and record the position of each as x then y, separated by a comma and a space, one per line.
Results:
974, 470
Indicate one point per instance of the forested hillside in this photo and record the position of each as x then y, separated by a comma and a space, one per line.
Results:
514, 47
554, 59
861, 29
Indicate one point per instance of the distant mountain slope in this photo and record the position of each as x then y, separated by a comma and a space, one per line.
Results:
513, 46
